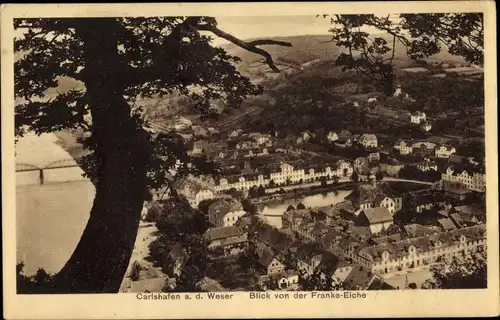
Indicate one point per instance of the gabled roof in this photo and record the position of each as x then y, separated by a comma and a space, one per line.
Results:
447, 224
265, 254
221, 233
377, 215
358, 279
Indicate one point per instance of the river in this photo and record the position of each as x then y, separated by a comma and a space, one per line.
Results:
272, 213
50, 218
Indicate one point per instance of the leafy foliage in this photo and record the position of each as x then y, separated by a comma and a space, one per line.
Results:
468, 274
422, 35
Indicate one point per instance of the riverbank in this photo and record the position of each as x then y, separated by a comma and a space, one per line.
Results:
303, 192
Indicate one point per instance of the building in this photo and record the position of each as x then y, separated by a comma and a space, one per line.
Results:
368, 140
332, 136
221, 236
372, 100
473, 178
267, 260
407, 254
361, 165
361, 278
374, 156
445, 151
403, 147
378, 219
455, 190
368, 195
426, 126
427, 165
424, 149
225, 212
193, 191
418, 117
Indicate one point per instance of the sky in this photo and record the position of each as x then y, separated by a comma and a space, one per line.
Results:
249, 27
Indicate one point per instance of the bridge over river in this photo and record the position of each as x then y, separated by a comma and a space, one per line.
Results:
56, 171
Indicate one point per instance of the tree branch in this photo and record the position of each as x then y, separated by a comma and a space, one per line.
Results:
249, 46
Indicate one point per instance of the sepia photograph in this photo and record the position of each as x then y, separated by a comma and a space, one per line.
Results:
327, 154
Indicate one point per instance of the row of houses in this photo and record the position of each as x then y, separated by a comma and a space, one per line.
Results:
286, 174
424, 148
410, 253
474, 178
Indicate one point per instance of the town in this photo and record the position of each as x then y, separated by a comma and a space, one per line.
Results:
391, 209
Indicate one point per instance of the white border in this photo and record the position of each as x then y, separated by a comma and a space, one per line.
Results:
378, 304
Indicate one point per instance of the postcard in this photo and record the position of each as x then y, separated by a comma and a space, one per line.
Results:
249, 160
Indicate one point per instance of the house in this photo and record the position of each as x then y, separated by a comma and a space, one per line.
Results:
378, 219
424, 149
418, 117
332, 136
361, 165
368, 140
308, 260
445, 151
287, 279
360, 278
235, 133
300, 140
426, 126
234, 245
403, 147
306, 136
267, 260
344, 169
427, 165
217, 237
472, 177
261, 138
374, 156
405, 255
342, 270
225, 212
365, 195
455, 190
446, 224
176, 259
372, 100
193, 191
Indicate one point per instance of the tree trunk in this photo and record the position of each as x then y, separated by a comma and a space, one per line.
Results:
100, 259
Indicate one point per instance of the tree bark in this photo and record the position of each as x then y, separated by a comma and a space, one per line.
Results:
100, 259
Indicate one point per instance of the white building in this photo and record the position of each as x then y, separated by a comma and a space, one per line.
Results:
474, 179
418, 117
332, 136
427, 165
445, 151
403, 147
225, 213
368, 140
404, 255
